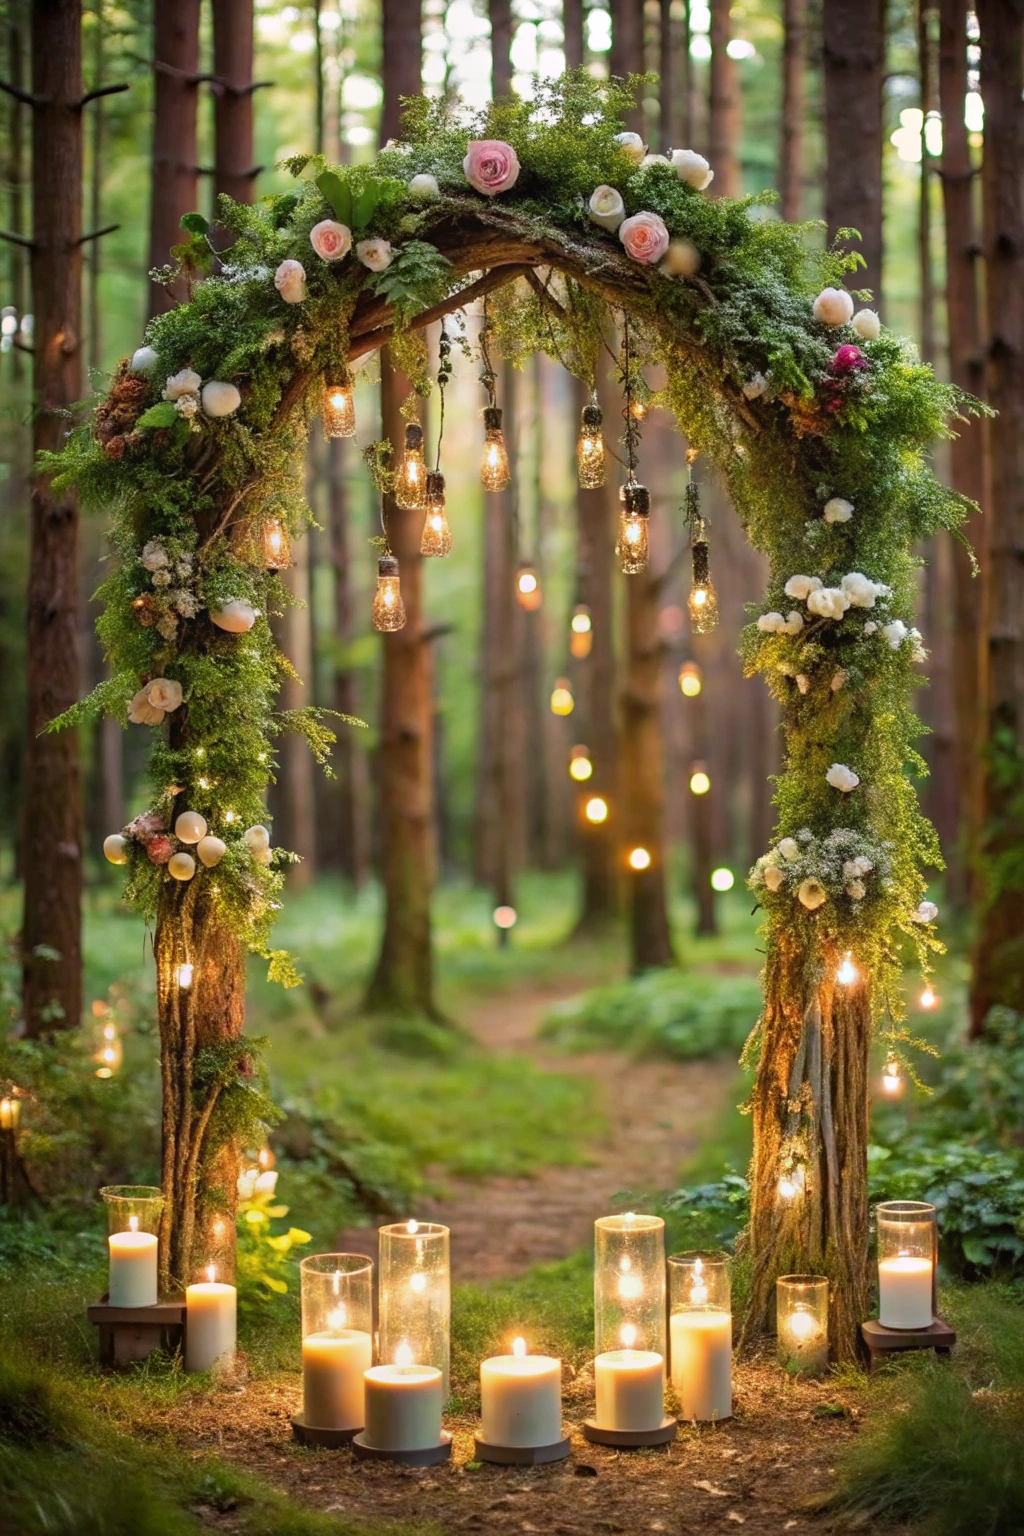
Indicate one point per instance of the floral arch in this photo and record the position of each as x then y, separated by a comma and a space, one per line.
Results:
820, 428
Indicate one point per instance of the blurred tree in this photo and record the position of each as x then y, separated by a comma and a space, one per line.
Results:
725, 106
627, 50
854, 63
174, 185
794, 71
234, 171
998, 969
572, 26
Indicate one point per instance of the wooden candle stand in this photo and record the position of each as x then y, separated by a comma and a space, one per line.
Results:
130, 1334
881, 1341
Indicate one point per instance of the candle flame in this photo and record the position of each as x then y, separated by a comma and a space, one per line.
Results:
629, 1218
418, 1282
519, 1348
412, 1225
801, 1325
627, 1334
211, 1273
403, 1354
133, 1223
698, 1268
336, 1319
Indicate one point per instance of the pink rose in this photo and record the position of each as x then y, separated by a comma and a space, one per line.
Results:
330, 240
490, 166
644, 237
848, 359
159, 849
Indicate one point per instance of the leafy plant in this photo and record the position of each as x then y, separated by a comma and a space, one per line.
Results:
672, 1013
265, 1258
977, 1192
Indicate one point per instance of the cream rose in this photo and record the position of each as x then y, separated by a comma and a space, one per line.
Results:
632, 146
375, 254
491, 166
186, 382
165, 693
867, 325
833, 306
607, 208
644, 237
290, 281
692, 169
330, 240
842, 778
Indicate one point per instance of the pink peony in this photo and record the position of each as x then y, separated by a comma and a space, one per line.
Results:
331, 240
490, 166
848, 359
644, 237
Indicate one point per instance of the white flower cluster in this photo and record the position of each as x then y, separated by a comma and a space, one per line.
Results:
188, 391
839, 776
171, 571
775, 624
814, 869
156, 699
855, 590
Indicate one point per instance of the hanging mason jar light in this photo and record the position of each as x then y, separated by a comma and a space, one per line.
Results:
436, 539
277, 548
411, 484
388, 608
528, 593
339, 408
703, 599
633, 544
495, 474
590, 448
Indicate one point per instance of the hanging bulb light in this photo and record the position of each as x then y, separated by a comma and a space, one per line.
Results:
703, 600
388, 608
562, 702
847, 973
580, 765
581, 632
690, 681
928, 998
590, 448
528, 593
339, 408
632, 545
411, 485
277, 548
891, 1079
495, 474
437, 536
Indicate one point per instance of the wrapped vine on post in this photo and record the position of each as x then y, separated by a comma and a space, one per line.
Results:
817, 418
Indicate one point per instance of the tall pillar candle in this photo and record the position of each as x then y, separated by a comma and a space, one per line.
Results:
907, 1250
521, 1399
133, 1268
210, 1322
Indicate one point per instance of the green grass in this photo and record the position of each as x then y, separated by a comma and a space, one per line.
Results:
682, 1014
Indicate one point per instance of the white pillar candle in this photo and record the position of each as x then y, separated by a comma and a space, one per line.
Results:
133, 1273
521, 1399
332, 1378
702, 1363
630, 1389
210, 1322
905, 1292
403, 1407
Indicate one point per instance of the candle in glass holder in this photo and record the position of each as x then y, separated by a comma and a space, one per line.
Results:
801, 1318
907, 1246
629, 1386
210, 1322
337, 1339
403, 1404
521, 1399
629, 1331
133, 1213
415, 1293
700, 1331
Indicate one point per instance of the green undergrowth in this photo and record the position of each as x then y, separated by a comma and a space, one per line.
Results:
667, 1012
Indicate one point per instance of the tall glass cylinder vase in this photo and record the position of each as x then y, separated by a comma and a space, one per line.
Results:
907, 1257
700, 1333
801, 1323
415, 1295
133, 1218
629, 1327
337, 1339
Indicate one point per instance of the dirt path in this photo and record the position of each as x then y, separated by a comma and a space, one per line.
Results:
656, 1113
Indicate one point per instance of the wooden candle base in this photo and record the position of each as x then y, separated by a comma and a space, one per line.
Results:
430, 1456
882, 1341
130, 1334
309, 1434
630, 1439
522, 1455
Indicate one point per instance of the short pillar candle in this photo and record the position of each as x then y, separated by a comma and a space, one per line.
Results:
700, 1334
629, 1325
415, 1293
907, 1250
521, 1399
210, 1322
337, 1339
801, 1323
403, 1405
133, 1213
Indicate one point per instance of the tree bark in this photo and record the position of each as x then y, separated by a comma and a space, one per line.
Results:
998, 969
643, 775
724, 106
794, 70
296, 789
175, 176
352, 792
234, 173
967, 450
854, 63
401, 45
52, 812
627, 50
500, 14
572, 24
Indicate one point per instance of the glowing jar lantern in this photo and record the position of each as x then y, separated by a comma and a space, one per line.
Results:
10, 1113
562, 702
703, 599
892, 1082
700, 1333
339, 409
590, 448
581, 766
639, 859
388, 607
633, 543
690, 682
629, 1329
907, 1254
495, 474
415, 1293
133, 1216
581, 632
801, 1323
436, 539
337, 1339
411, 480
528, 593
277, 548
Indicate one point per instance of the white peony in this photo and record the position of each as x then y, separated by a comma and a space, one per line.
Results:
841, 777
187, 382
773, 876
154, 556
606, 208
837, 510
867, 325
375, 254
290, 281
812, 894
165, 693
692, 169
828, 602
833, 306
682, 259
632, 146
423, 188
142, 712
790, 849
856, 890
755, 386
801, 587
220, 399
927, 912
144, 359
653, 160
862, 591
895, 632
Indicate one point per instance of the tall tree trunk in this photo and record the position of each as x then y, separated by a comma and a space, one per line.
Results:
627, 51
52, 812
967, 450
572, 24
352, 797
725, 106
234, 172
175, 176
643, 775
794, 71
854, 64
296, 790
702, 807
668, 89
926, 278
401, 49
500, 13
998, 970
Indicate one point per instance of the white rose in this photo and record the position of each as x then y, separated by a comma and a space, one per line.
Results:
771, 623
290, 281
164, 693
236, 616
828, 602
927, 912
606, 208
773, 876
330, 240
144, 359
812, 894
862, 591
856, 890
895, 632
843, 778
142, 712
837, 510
423, 187
692, 168
867, 325
153, 556
789, 849
220, 399
755, 386
375, 254
187, 382
801, 587
632, 146
803, 682
833, 306
682, 259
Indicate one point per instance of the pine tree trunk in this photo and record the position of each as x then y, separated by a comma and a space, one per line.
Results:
233, 156
794, 69
643, 775
725, 107
854, 63
500, 14
352, 793
401, 47
175, 177
668, 91
572, 25
627, 50
296, 789
998, 969
52, 810
926, 278
967, 450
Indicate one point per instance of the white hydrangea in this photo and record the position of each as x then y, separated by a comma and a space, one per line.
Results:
862, 591
801, 587
837, 510
895, 632
843, 778
828, 602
